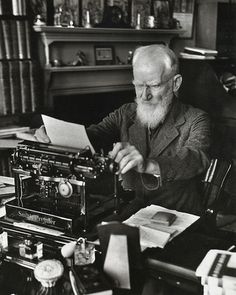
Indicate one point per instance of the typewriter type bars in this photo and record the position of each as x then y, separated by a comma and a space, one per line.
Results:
54, 178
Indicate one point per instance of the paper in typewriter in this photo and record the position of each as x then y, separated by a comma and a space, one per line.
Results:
153, 234
66, 134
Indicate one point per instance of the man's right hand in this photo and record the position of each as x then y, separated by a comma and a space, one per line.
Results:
41, 135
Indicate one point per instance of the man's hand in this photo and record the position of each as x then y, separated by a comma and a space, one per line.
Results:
128, 157
41, 135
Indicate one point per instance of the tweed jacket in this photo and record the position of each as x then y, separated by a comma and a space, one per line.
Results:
180, 146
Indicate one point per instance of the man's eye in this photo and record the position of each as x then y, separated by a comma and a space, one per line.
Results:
155, 86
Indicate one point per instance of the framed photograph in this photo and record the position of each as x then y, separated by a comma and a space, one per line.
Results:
143, 7
184, 13
104, 55
70, 11
95, 8
125, 6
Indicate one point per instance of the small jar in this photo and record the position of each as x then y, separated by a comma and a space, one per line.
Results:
31, 249
84, 252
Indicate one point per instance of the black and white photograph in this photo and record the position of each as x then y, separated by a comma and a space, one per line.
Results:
117, 147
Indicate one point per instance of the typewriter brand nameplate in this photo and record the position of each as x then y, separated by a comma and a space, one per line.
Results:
25, 214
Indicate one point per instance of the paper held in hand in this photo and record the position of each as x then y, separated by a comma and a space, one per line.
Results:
155, 234
67, 134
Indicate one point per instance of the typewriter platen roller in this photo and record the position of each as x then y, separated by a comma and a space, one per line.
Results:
51, 184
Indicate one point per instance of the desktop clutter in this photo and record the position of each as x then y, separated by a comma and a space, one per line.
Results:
46, 224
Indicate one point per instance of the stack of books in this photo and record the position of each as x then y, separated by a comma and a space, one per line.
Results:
198, 53
218, 273
9, 131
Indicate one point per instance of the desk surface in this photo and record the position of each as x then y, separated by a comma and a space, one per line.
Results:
173, 268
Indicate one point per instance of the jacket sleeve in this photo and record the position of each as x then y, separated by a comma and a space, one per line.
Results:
192, 158
105, 133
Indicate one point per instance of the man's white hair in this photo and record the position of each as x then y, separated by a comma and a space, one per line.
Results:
155, 53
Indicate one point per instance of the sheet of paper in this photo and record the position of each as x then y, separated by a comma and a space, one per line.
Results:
66, 134
148, 226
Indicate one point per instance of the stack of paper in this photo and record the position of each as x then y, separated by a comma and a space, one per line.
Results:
218, 273
198, 53
7, 192
154, 234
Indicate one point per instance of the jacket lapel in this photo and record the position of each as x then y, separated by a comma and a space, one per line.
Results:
169, 129
138, 137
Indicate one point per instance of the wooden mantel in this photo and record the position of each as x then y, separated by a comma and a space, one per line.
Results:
67, 80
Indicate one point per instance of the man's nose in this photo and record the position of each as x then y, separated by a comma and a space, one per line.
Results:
146, 93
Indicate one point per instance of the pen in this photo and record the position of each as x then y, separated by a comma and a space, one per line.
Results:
73, 283
231, 248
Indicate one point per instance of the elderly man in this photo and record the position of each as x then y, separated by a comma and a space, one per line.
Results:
160, 144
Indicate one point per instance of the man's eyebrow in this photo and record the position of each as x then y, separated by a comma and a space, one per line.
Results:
153, 82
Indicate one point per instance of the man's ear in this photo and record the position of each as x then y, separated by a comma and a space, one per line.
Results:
177, 82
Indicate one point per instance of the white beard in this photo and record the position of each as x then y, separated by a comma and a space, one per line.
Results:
152, 115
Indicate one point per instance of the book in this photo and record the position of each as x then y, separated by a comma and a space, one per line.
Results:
25, 86
15, 46
12, 130
21, 38
27, 39
154, 234
5, 7
18, 7
2, 43
15, 87
5, 95
34, 86
201, 51
6, 28
195, 56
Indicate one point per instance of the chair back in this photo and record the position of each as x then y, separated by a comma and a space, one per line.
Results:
214, 182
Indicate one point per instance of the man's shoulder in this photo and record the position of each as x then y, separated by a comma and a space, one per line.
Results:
128, 109
191, 111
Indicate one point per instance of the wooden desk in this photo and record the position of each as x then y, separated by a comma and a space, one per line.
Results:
171, 270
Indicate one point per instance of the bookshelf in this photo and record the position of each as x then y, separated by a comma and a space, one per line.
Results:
19, 85
62, 43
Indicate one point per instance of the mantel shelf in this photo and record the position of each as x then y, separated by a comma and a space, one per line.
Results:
51, 34
88, 68
70, 80
57, 34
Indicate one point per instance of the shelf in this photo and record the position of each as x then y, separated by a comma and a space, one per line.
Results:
88, 68
78, 34
51, 34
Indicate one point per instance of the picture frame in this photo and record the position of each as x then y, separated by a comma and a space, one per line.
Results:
125, 6
143, 7
183, 12
72, 9
104, 55
95, 8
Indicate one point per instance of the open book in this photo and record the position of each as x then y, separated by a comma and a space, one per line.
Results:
154, 234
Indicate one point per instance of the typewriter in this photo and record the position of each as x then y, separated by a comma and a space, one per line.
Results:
51, 185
